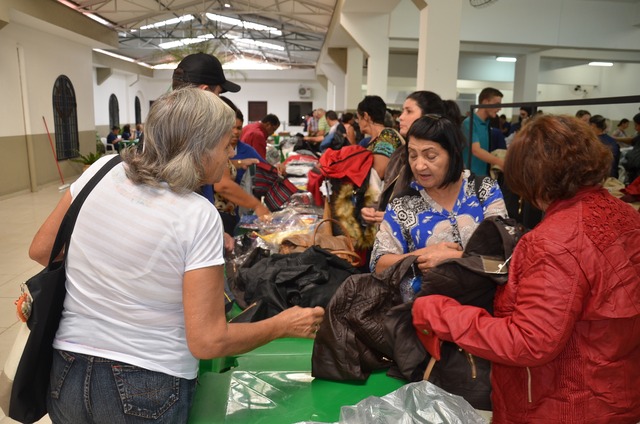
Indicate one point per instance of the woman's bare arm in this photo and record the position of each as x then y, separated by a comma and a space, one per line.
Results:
42, 243
208, 333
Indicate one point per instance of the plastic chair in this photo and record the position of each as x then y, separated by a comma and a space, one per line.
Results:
108, 148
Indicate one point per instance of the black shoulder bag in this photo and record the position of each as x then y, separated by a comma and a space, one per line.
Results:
47, 290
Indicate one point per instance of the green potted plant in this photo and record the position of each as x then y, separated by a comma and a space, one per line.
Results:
87, 159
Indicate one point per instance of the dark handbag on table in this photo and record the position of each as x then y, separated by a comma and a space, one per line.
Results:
276, 189
47, 290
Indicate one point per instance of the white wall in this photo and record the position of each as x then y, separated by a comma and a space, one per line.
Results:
563, 23
126, 87
46, 57
595, 82
27, 161
277, 88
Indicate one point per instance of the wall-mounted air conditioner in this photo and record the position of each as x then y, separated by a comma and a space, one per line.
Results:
304, 92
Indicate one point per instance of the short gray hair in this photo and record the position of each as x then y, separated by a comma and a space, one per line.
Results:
182, 126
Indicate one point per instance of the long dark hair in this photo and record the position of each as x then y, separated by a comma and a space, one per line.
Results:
430, 102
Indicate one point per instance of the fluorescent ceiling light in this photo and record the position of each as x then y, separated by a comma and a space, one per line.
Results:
236, 64
117, 56
87, 14
184, 18
172, 65
205, 37
227, 5
244, 24
183, 42
600, 64
506, 59
254, 43
248, 64
68, 4
97, 19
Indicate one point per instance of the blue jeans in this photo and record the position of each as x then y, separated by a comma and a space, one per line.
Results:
91, 390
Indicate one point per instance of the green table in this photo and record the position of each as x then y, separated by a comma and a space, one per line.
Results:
128, 143
273, 384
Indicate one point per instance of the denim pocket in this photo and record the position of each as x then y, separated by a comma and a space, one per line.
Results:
144, 393
59, 371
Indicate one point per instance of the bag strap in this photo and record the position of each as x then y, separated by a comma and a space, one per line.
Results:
68, 222
339, 224
477, 181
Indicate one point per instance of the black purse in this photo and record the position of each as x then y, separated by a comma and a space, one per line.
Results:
47, 289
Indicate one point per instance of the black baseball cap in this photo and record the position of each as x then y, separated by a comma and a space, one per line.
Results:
202, 68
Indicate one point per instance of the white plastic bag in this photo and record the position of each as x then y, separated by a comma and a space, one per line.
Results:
421, 402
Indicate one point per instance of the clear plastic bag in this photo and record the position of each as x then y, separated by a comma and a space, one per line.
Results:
421, 402
285, 223
303, 203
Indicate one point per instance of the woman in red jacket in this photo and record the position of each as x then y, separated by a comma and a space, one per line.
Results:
565, 338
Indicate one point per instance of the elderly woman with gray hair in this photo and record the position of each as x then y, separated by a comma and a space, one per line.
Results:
145, 294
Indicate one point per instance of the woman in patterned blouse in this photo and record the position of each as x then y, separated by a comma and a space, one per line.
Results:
384, 141
434, 217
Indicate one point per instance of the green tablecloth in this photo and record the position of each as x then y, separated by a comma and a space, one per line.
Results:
127, 143
273, 384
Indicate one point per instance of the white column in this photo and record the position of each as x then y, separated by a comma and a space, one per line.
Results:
525, 81
353, 89
439, 46
336, 88
331, 95
371, 32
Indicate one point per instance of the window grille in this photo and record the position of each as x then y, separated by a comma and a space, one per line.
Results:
65, 115
138, 111
114, 112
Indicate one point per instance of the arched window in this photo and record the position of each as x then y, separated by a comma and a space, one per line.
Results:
114, 112
65, 116
138, 111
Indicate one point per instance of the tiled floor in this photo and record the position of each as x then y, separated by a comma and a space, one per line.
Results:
21, 216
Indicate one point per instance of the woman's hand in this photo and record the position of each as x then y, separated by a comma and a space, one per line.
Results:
372, 216
261, 211
300, 322
282, 168
499, 162
244, 163
229, 243
431, 256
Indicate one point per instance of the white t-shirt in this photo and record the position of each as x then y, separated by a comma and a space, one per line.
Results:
129, 250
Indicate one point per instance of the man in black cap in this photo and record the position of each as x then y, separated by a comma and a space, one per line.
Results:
201, 70
205, 71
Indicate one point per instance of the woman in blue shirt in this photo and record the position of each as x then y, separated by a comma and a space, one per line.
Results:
434, 217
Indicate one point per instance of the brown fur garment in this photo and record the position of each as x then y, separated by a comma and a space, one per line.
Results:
343, 210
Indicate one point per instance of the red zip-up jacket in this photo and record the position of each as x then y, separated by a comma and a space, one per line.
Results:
565, 339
